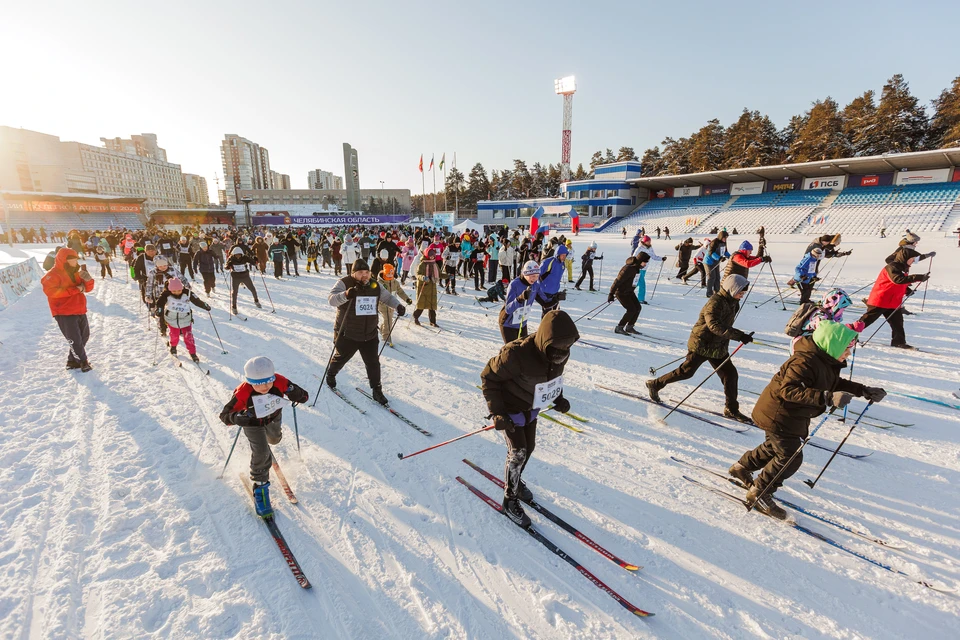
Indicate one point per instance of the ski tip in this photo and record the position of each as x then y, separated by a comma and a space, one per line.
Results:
643, 614
632, 567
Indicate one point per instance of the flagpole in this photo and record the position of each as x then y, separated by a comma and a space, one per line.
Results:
456, 193
423, 191
433, 172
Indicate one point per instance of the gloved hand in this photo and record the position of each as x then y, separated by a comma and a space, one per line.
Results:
351, 293
599, 258
745, 338
561, 295
662, 258
874, 394
610, 298
503, 423
909, 292
838, 399
206, 307
525, 295
243, 419
929, 255
561, 404
401, 310
921, 277
767, 259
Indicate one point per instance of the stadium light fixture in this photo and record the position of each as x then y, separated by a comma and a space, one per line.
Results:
565, 86
843, 166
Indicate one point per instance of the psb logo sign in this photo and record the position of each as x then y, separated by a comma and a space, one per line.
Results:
828, 183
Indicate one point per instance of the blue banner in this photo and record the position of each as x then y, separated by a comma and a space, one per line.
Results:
329, 220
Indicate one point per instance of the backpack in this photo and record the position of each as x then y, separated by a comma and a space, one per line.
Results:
51, 260
799, 318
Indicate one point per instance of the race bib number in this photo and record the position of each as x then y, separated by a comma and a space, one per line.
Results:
268, 403
520, 315
165, 246
181, 307
239, 268
366, 306
546, 392
636, 279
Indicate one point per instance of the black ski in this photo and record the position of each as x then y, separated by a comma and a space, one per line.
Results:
340, 395
395, 413
682, 411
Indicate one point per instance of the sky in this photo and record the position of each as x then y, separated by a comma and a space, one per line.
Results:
397, 79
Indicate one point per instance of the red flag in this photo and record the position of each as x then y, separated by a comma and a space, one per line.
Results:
421, 163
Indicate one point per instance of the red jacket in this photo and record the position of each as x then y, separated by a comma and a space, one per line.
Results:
892, 283
60, 287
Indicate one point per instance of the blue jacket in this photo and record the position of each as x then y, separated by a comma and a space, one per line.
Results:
518, 286
806, 270
635, 242
552, 271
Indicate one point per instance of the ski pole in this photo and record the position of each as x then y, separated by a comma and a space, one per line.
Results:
926, 283
653, 371
662, 262
216, 332
602, 304
776, 284
840, 270
264, 280
886, 318
837, 450
336, 337
751, 505
860, 289
389, 335
230, 455
600, 277
466, 435
853, 355
156, 338
705, 379
296, 429
598, 313
743, 302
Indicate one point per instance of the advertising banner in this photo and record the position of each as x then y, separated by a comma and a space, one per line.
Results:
786, 184
125, 208
41, 205
923, 177
829, 182
663, 193
746, 188
875, 180
686, 192
956, 175
16, 281
92, 207
443, 219
716, 191
329, 220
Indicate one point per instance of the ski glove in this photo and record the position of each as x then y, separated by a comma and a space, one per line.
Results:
921, 277
874, 394
503, 423
745, 338
297, 394
206, 307
838, 399
767, 259
561, 295
610, 298
525, 295
928, 255
242, 419
561, 404
401, 310
351, 293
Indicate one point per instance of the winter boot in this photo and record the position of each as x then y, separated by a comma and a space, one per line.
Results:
620, 330
261, 499
332, 380
577, 288
766, 504
654, 390
524, 493
173, 351
629, 329
85, 366
734, 414
513, 510
416, 321
233, 309
195, 358
379, 397
740, 472
904, 345
257, 304
72, 364
592, 289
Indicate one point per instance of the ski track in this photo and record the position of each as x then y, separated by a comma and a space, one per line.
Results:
111, 528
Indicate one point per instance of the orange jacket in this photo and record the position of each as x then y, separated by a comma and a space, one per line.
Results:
60, 287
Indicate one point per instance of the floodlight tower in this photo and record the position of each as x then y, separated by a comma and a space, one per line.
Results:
566, 87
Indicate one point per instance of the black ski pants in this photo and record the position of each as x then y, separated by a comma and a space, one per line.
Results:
186, 263
588, 269
209, 281
478, 275
682, 268
520, 444
347, 348
261, 457
703, 274
805, 291
894, 319
632, 306
242, 278
723, 366
105, 269
509, 334
772, 457
76, 330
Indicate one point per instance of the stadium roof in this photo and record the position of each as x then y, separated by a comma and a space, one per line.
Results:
917, 161
40, 195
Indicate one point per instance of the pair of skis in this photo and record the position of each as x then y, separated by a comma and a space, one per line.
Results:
539, 537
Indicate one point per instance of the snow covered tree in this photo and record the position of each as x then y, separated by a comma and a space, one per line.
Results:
860, 123
553, 180
676, 155
478, 188
520, 183
625, 154
608, 157
538, 181
580, 173
652, 163
901, 119
821, 137
706, 147
944, 131
595, 161
505, 189
789, 135
455, 188
737, 142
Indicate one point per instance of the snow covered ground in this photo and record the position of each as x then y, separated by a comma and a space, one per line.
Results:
110, 527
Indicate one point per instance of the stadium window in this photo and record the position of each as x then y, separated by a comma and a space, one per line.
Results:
612, 193
598, 194
610, 211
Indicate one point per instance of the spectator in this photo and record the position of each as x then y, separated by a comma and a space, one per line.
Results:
66, 286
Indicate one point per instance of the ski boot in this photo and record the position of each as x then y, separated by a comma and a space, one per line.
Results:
654, 391
257, 304
434, 325
332, 380
173, 351
72, 364
416, 321
524, 493
740, 472
766, 504
261, 499
85, 366
513, 510
630, 329
905, 346
234, 311
621, 331
195, 358
734, 414
592, 289
577, 288
379, 397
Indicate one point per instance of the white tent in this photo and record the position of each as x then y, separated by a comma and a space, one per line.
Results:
468, 225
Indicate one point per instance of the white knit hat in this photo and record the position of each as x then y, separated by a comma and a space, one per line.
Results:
531, 267
259, 370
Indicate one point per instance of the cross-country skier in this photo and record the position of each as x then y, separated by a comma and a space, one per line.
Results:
806, 385
496, 293
103, 259
143, 267
741, 261
355, 329
66, 286
428, 279
645, 246
173, 306
586, 265
888, 294
684, 249
205, 262
709, 342
715, 254
698, 264
521, 293
388, 282
551, 275
805, 274
254, 408
624, 290
185, 256
312, 255
238, 264
525, 378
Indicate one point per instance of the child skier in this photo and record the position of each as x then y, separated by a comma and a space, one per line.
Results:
104, 261
278, 253
496, 293
389, 282
312, 256
252, 408
173, 306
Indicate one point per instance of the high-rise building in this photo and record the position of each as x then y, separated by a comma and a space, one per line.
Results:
320, 179
280, 180
196, 189
143, 145
33, 161
246, 165
351, 171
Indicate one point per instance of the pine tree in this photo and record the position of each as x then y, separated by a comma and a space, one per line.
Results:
552, 185
860, 124
768, 148
789, 135
595, 161
706, 147
538, 181
901, 119
580, 173
944, 131
737, 141
821, 137
455, 190
608, 157
505, 189
521, 181
676, 155
625, 154
478, 188
652, 163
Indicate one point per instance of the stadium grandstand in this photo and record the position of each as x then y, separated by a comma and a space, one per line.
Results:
68, 211
192, 217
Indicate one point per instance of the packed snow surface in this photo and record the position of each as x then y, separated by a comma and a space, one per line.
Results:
114, 524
